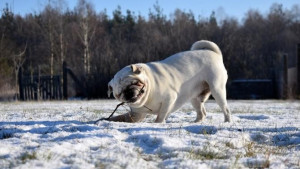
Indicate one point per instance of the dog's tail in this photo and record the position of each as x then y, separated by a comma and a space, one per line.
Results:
208, 45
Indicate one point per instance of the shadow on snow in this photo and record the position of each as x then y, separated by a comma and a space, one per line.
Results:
79, 129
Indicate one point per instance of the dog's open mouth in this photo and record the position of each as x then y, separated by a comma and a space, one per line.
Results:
134, 92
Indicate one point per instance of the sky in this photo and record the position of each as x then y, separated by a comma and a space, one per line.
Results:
203, 8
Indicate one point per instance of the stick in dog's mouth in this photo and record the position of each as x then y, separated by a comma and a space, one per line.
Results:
142, 91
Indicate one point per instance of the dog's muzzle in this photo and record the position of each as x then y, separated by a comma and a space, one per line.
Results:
132, 94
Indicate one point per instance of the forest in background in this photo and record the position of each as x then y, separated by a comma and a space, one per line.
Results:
96, 46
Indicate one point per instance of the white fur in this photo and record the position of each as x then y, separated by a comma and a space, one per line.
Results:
186, 76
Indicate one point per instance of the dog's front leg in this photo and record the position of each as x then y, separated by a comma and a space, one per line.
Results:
161, 117
165, 109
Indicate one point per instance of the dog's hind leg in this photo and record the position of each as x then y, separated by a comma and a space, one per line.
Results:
198, 104
219, 94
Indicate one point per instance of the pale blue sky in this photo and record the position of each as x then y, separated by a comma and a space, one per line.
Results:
223, 8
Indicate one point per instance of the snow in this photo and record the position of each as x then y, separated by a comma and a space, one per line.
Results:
265, 133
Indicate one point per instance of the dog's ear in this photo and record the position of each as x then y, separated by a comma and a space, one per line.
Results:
110, 89
136, 69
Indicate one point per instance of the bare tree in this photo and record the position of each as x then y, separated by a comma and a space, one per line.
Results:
86, 32
59, 7
18, 61
49, 33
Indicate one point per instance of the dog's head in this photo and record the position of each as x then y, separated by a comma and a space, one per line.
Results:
130, 85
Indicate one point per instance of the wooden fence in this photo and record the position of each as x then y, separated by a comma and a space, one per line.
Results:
37, 87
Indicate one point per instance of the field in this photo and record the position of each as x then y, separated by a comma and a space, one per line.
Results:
264, 134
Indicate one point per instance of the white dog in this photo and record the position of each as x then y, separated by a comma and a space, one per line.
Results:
162, 87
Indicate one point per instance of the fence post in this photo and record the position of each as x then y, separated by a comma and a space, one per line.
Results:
298, 71
38, 85
65, 81
285, 77
20, 78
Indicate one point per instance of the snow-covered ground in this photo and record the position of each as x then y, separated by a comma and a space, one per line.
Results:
59, 135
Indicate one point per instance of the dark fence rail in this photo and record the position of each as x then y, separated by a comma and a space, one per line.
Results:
252, 89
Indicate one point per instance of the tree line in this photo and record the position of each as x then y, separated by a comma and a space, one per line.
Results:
96, 46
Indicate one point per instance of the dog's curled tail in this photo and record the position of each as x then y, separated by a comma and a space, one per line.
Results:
208, 45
